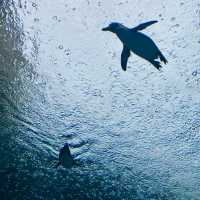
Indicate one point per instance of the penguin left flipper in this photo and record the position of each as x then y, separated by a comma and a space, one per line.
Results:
124, 57
144, 25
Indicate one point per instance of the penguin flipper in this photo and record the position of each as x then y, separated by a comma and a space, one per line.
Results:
143, 25
124, 57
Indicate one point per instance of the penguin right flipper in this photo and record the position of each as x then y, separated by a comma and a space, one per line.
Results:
124, 57
143, 25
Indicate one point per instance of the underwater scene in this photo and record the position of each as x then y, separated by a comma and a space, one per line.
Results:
100, 100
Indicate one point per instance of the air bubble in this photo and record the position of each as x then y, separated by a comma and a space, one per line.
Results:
55, 18
60, 46
194, 73
34, 5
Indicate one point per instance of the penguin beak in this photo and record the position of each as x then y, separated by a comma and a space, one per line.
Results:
106, 29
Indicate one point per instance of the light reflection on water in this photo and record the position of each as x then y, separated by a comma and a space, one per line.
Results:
136, 134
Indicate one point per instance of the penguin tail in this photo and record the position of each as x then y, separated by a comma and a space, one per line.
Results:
162, 58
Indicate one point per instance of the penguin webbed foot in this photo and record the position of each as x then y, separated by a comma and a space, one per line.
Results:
156, 64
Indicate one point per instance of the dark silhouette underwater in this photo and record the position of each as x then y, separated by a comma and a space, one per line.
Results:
137, 42
65, 157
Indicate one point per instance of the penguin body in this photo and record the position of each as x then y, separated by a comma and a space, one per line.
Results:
65, 157
137, 42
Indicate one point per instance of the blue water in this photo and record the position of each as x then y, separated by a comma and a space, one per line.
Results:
136, 134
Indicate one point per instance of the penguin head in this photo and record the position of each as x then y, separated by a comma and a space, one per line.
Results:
113, 27
65, 150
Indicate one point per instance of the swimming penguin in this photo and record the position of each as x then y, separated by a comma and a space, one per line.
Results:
65, 157
137, 42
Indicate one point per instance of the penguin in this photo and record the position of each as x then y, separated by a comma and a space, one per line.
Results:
137, 42
65, 157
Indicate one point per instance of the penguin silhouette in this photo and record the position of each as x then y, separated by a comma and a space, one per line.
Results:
137, 42
65, 157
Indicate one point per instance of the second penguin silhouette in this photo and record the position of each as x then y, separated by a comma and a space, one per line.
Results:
137, 42
65, 157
